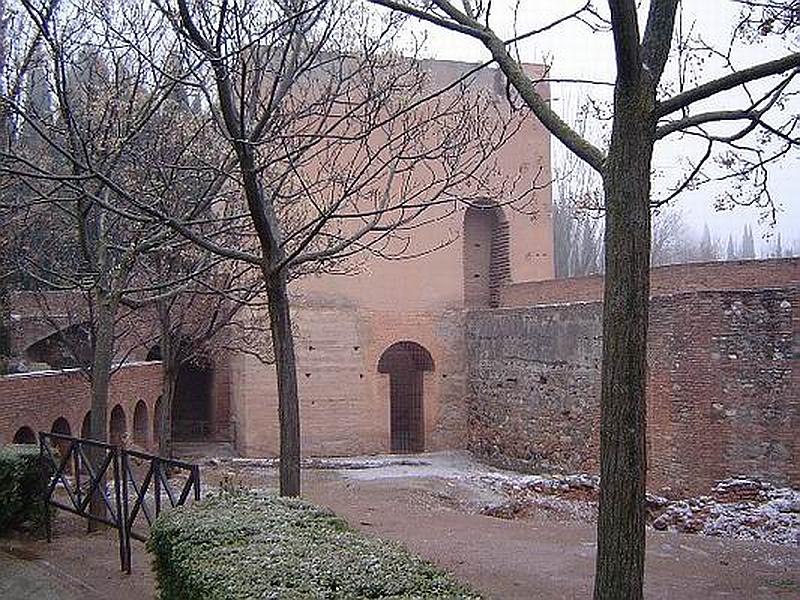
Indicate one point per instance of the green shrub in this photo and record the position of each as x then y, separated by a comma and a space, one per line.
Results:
21, 487
248, 545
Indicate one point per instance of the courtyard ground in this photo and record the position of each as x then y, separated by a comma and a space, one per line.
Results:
547, 552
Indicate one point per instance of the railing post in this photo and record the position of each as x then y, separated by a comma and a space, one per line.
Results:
76, 462
125, 510
196, 481
120, 521
157, 489
45, 487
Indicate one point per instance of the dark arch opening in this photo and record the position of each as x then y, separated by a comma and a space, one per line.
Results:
117, 427
154, 353
140, 424
86, 426
61, 425
405, 363
64, 349
157, 409
487, 265
192, 411
24, 435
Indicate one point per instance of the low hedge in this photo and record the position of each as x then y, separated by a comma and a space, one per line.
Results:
248, 545
21, 487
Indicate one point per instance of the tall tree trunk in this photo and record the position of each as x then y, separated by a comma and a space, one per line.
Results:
5, 339
623, 463
168, 384
169, 380
102, 359
288, 405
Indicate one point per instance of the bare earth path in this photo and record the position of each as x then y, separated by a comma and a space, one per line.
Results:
539, 557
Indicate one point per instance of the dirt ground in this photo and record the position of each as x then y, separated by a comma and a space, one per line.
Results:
544, 555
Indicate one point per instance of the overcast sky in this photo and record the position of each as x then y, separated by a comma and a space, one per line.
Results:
575, 52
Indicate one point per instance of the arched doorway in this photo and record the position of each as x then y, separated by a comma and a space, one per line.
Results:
117, 426
195, 415
405, 363
24, 435
141, 425
487, 265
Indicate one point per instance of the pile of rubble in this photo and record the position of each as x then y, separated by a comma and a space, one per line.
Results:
737, 508
569, 497
740, 508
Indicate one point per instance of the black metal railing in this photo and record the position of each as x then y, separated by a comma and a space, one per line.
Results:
94, 466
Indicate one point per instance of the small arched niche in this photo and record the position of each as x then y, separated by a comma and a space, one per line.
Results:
86, 426
24, 435
117, 426
141, 425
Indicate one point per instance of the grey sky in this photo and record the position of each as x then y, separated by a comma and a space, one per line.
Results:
575, 52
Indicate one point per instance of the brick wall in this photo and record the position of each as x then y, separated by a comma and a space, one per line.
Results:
723, 387
742, 274
344, 400
37, 399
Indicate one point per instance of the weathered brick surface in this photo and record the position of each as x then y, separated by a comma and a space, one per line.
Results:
723, 387
36, 400
735, 275
344, 400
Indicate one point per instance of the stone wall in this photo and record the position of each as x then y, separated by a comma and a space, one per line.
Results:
727, 275
723, 387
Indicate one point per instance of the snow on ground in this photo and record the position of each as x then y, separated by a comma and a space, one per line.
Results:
737, 508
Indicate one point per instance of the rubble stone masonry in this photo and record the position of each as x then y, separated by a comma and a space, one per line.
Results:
723, 387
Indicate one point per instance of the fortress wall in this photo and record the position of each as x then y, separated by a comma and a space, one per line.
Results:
723, 387
741, 274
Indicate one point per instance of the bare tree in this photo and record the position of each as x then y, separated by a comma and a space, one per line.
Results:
577, 240
339, 146
83, 135
290, 136
644, 112
207, 320
769, 17
577, 219
748, 244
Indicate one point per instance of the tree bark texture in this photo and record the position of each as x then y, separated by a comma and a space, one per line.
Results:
168, 385
102, 359
285, 369
169, 381
623, 462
